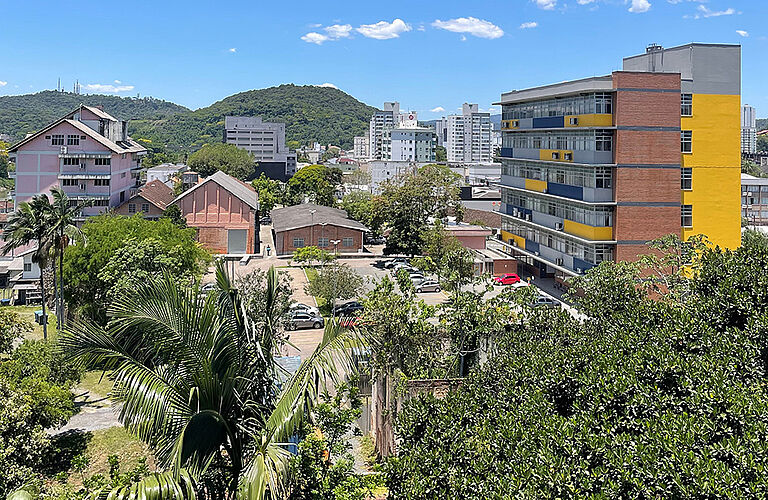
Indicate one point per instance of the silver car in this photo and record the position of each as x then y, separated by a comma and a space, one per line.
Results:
428, 286
301, 319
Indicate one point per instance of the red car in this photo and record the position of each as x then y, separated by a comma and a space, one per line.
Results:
507, 279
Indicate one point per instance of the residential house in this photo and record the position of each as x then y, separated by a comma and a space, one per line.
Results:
151, 201
315, 225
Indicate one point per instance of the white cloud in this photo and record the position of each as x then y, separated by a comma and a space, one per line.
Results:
640, 6
585, 2
743, 33
472, 25
337, 31
438, 109
528, 25
329, 85
383, 30
314, 37
3, 84
546, 4
108, 88
233, 50
706, 12
118, 82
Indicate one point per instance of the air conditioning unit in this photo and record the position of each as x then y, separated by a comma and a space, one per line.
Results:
749, 193
63, 150
536, 253
744, 193
559, 226
579, 270
527, 216
559, 262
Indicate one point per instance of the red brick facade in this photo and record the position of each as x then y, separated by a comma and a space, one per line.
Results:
311, 236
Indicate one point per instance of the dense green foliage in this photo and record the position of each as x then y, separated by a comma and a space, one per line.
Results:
228, 158
271, 192
335, 281
316, 183
645, 398
364, 207
23, 114
310, 113
445, 256
311, 255
123, 251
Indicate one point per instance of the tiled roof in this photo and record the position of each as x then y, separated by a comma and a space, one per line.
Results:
296, 216
241, 190
157, 193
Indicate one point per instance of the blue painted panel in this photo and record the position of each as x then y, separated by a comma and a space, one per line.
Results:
549, 122
573, 192
531, 245
506, 152
582, 264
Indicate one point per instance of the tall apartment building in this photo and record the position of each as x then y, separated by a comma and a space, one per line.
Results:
466, 137
87, 152
593, 169
748, 130
408, 142
381, 119
361, 147
265, 141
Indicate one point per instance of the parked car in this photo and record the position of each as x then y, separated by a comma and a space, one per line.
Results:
545, 301
507, 279
299, 307
349, 309
405, 266
392, 263
377, 240
428, 285
303, 320
416, 276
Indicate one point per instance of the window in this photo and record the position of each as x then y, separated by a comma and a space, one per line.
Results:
73, 140
603, 177
298, 242
57, 140
122, 196
131, 208
69, 182
71, 161
145, 208
555, 156
686, 141
322, 242
101, 203
27, 267
686, 215
102, 161
686, 179
101, 182
122, 176
603, 140
347, 242
686, 104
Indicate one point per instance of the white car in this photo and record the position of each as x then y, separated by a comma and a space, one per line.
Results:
304, 308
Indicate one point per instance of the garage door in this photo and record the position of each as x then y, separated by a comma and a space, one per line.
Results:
237, 241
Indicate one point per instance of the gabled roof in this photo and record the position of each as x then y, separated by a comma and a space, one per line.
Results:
96, 111
239, 189
128, 146
157, 193
297, 216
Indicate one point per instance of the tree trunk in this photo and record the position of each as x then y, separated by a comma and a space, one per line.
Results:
61, 287
45, 319
56, 294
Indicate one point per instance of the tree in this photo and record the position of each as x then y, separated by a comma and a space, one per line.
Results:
335, 282
411, 200
254, 290
445, 256
195, 376
751, 168
228, 158
173, 213
762, 143
108, 235
317, 183
331, 152
270, 191
30, 224
4, 161
311, 254
12, 328
362, 206
358, 178
441, 155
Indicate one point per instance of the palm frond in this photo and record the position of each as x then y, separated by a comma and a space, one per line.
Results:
267, 471
157, 486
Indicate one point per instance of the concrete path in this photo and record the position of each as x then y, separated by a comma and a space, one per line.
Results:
90, 419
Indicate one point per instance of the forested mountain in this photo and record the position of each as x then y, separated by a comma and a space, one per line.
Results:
21, 114
322, 114
762, 123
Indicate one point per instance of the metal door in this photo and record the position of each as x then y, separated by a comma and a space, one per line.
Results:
237, 241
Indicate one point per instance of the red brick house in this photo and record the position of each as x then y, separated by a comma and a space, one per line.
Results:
151, 201
225, 212
316, 225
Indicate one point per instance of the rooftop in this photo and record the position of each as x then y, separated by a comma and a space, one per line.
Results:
307, 214
241, 190
157, 193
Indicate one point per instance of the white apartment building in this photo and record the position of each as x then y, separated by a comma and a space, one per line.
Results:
264, 140
466, 137
389, 117
748, 129
408, 142
383, 170
362, 147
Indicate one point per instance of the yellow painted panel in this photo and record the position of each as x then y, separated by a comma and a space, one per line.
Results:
588, 232
506, 236
546, 154
508, 125
716, 165
536, 185
716, 201
590, 120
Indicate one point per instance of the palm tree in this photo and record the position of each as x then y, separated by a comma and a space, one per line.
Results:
196, 379
31, 223
64, 231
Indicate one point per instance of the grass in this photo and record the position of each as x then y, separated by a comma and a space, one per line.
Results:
368, 450
94, 388
322, 304
28, 312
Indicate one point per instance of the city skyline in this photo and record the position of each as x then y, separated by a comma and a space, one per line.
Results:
431, 58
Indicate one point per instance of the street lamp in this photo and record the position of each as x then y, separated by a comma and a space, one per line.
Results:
312, 228
322, 231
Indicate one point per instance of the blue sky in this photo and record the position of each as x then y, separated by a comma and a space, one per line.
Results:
426, 54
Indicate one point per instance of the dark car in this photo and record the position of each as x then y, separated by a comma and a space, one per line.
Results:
349, 309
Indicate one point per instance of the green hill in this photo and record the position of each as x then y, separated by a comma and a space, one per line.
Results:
310, 113
21, 114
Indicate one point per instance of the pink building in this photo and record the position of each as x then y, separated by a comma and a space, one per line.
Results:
468, 235
87, 152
